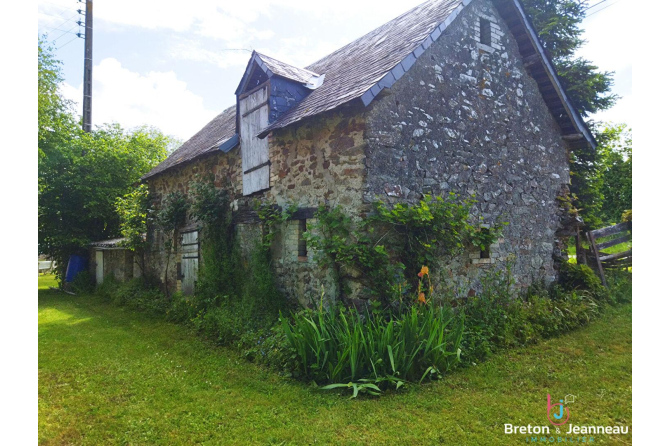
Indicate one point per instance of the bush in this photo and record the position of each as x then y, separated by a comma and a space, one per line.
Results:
83, 283
574, 276
499, 317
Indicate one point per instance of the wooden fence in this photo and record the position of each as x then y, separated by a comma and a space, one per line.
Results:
615, 235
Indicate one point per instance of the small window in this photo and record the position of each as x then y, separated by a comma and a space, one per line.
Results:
486, 252
302, 242
484, 32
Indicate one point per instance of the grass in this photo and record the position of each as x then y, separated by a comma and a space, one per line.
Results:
108, 375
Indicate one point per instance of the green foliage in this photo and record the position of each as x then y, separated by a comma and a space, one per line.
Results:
348, 247
604, 179
383, 250
137, 294
557, 23
272, 217
580, 277
81, 175
498, 317
169, 217
221, 262
133, 210
83, 283
432, 229
337, 345
616, 151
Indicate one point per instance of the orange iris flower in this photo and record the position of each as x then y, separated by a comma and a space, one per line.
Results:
422, 298
424, 271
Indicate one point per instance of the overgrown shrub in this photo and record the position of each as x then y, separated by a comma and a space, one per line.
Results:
500, 317
83, 283
573, 276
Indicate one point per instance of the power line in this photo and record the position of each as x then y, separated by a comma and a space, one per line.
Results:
593, 6
69, 31
62, 23
602, 9
71, 40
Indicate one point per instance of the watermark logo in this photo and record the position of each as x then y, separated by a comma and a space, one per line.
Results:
554, 418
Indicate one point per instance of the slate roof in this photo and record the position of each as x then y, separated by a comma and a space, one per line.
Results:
207, 140
358, 66
288, 71
377, 60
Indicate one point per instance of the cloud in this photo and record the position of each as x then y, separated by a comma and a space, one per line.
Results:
159, 99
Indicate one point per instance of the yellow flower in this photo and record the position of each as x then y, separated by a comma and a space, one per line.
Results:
422, 298
424, 271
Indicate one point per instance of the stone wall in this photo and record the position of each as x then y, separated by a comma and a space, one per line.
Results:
468, 119
224, 169
319, 161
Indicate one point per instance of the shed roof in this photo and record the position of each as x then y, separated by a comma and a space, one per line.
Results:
377, 60
108, 244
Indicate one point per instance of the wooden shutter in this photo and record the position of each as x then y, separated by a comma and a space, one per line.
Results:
189, 261
99, 267
255, 151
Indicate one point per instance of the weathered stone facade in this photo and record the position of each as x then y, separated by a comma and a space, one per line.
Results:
320, 161
466, 118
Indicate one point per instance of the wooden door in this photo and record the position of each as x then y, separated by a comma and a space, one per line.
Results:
99, 267
189, 261
255, 151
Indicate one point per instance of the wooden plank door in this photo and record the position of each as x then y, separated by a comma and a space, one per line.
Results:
99, 267
255, 151
189, 261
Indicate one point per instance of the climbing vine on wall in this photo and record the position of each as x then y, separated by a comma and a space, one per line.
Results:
169, 217
220, 255
383, 250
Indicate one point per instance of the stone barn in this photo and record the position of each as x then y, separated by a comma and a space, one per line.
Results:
452, 96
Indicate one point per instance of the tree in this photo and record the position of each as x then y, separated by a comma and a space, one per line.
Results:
557, 24
133, 211
615, 150
82, 174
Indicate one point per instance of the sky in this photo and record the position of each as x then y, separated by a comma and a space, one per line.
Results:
175, 65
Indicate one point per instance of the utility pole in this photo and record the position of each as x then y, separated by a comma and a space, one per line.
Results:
88, 66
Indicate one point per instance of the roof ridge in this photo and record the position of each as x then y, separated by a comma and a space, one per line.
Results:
388, 23
262, 55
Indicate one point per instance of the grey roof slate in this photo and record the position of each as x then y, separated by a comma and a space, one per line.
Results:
207, 140
288, 71
353, 69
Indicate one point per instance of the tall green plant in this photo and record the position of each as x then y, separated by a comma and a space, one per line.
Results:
338, 345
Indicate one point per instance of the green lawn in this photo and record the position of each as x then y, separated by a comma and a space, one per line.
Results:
108, 375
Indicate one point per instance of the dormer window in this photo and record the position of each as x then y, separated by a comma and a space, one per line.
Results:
268, 90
